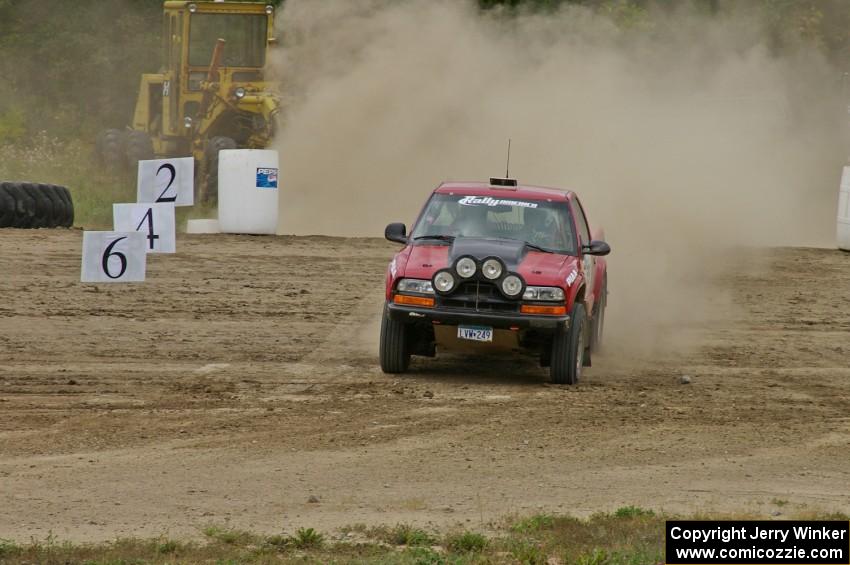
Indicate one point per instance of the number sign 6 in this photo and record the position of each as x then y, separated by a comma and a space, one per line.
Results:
111, 257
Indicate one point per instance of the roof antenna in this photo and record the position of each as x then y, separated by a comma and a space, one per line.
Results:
507, 181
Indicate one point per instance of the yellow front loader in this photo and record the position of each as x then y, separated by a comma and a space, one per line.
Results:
209, 95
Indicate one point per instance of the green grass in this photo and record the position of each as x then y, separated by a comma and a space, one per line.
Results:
632, 512
94, 189
627, 536
465, 542
72, 164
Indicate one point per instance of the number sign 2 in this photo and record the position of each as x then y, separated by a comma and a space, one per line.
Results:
167, 180
110, 257
156, 221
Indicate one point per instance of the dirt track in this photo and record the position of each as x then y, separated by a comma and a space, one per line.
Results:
241, 379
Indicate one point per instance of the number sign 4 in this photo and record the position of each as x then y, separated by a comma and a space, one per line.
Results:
155, 221
167, 180
110, 257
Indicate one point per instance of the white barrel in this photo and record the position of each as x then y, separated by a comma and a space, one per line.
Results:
247, 191
844, 211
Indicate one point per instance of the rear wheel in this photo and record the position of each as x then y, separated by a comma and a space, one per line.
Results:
110, 149
214, 145
394, 350
568, 349
139, 148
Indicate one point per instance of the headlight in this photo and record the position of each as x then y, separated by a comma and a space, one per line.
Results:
269, 9
415, 285
492, 269
239, 93
544, 293
444, 281
466, 267
512, 285
193, 8
187, 122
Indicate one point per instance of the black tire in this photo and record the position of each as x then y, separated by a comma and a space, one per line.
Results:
8, 207
65, 195
43, 207
57, 203
139, 148
394, 349
599, 319
23, 208
568, 347
210, 188
110, 148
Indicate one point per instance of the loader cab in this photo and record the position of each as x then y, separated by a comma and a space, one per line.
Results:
170, 100
209, 95
192, 30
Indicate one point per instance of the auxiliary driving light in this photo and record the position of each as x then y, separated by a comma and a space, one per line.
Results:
444, 281
466, 267
492, 269
512, 285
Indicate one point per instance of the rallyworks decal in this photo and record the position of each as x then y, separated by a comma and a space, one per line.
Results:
487, 201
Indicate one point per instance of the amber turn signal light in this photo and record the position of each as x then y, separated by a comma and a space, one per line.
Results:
414, 300
545, 310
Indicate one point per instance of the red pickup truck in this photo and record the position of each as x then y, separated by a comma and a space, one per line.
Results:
497, 266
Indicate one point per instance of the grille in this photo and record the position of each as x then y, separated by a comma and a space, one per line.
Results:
478, 296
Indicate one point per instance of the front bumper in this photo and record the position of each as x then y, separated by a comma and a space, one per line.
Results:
453, 317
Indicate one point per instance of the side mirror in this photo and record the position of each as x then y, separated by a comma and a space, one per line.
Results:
396, 232
596, 247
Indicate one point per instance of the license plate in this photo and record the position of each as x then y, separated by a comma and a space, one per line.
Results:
475, 333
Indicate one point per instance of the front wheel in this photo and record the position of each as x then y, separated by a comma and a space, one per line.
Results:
394, 350
568, 349
214, 145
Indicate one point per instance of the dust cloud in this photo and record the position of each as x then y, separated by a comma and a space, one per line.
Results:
684, 135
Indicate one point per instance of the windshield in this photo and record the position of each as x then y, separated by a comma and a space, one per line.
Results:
542, 224
245, 34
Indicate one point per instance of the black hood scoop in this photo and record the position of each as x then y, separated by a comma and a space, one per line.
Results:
511, 251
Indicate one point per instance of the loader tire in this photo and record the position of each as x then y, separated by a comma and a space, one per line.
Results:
25, 206
139, 148
43, 209
214, 145
31, 205
57, 205
110, 148
7, 207
65, 195
19, 208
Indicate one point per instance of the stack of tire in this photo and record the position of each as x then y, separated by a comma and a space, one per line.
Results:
32, 205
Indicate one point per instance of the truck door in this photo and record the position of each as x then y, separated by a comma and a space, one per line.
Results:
588, 261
